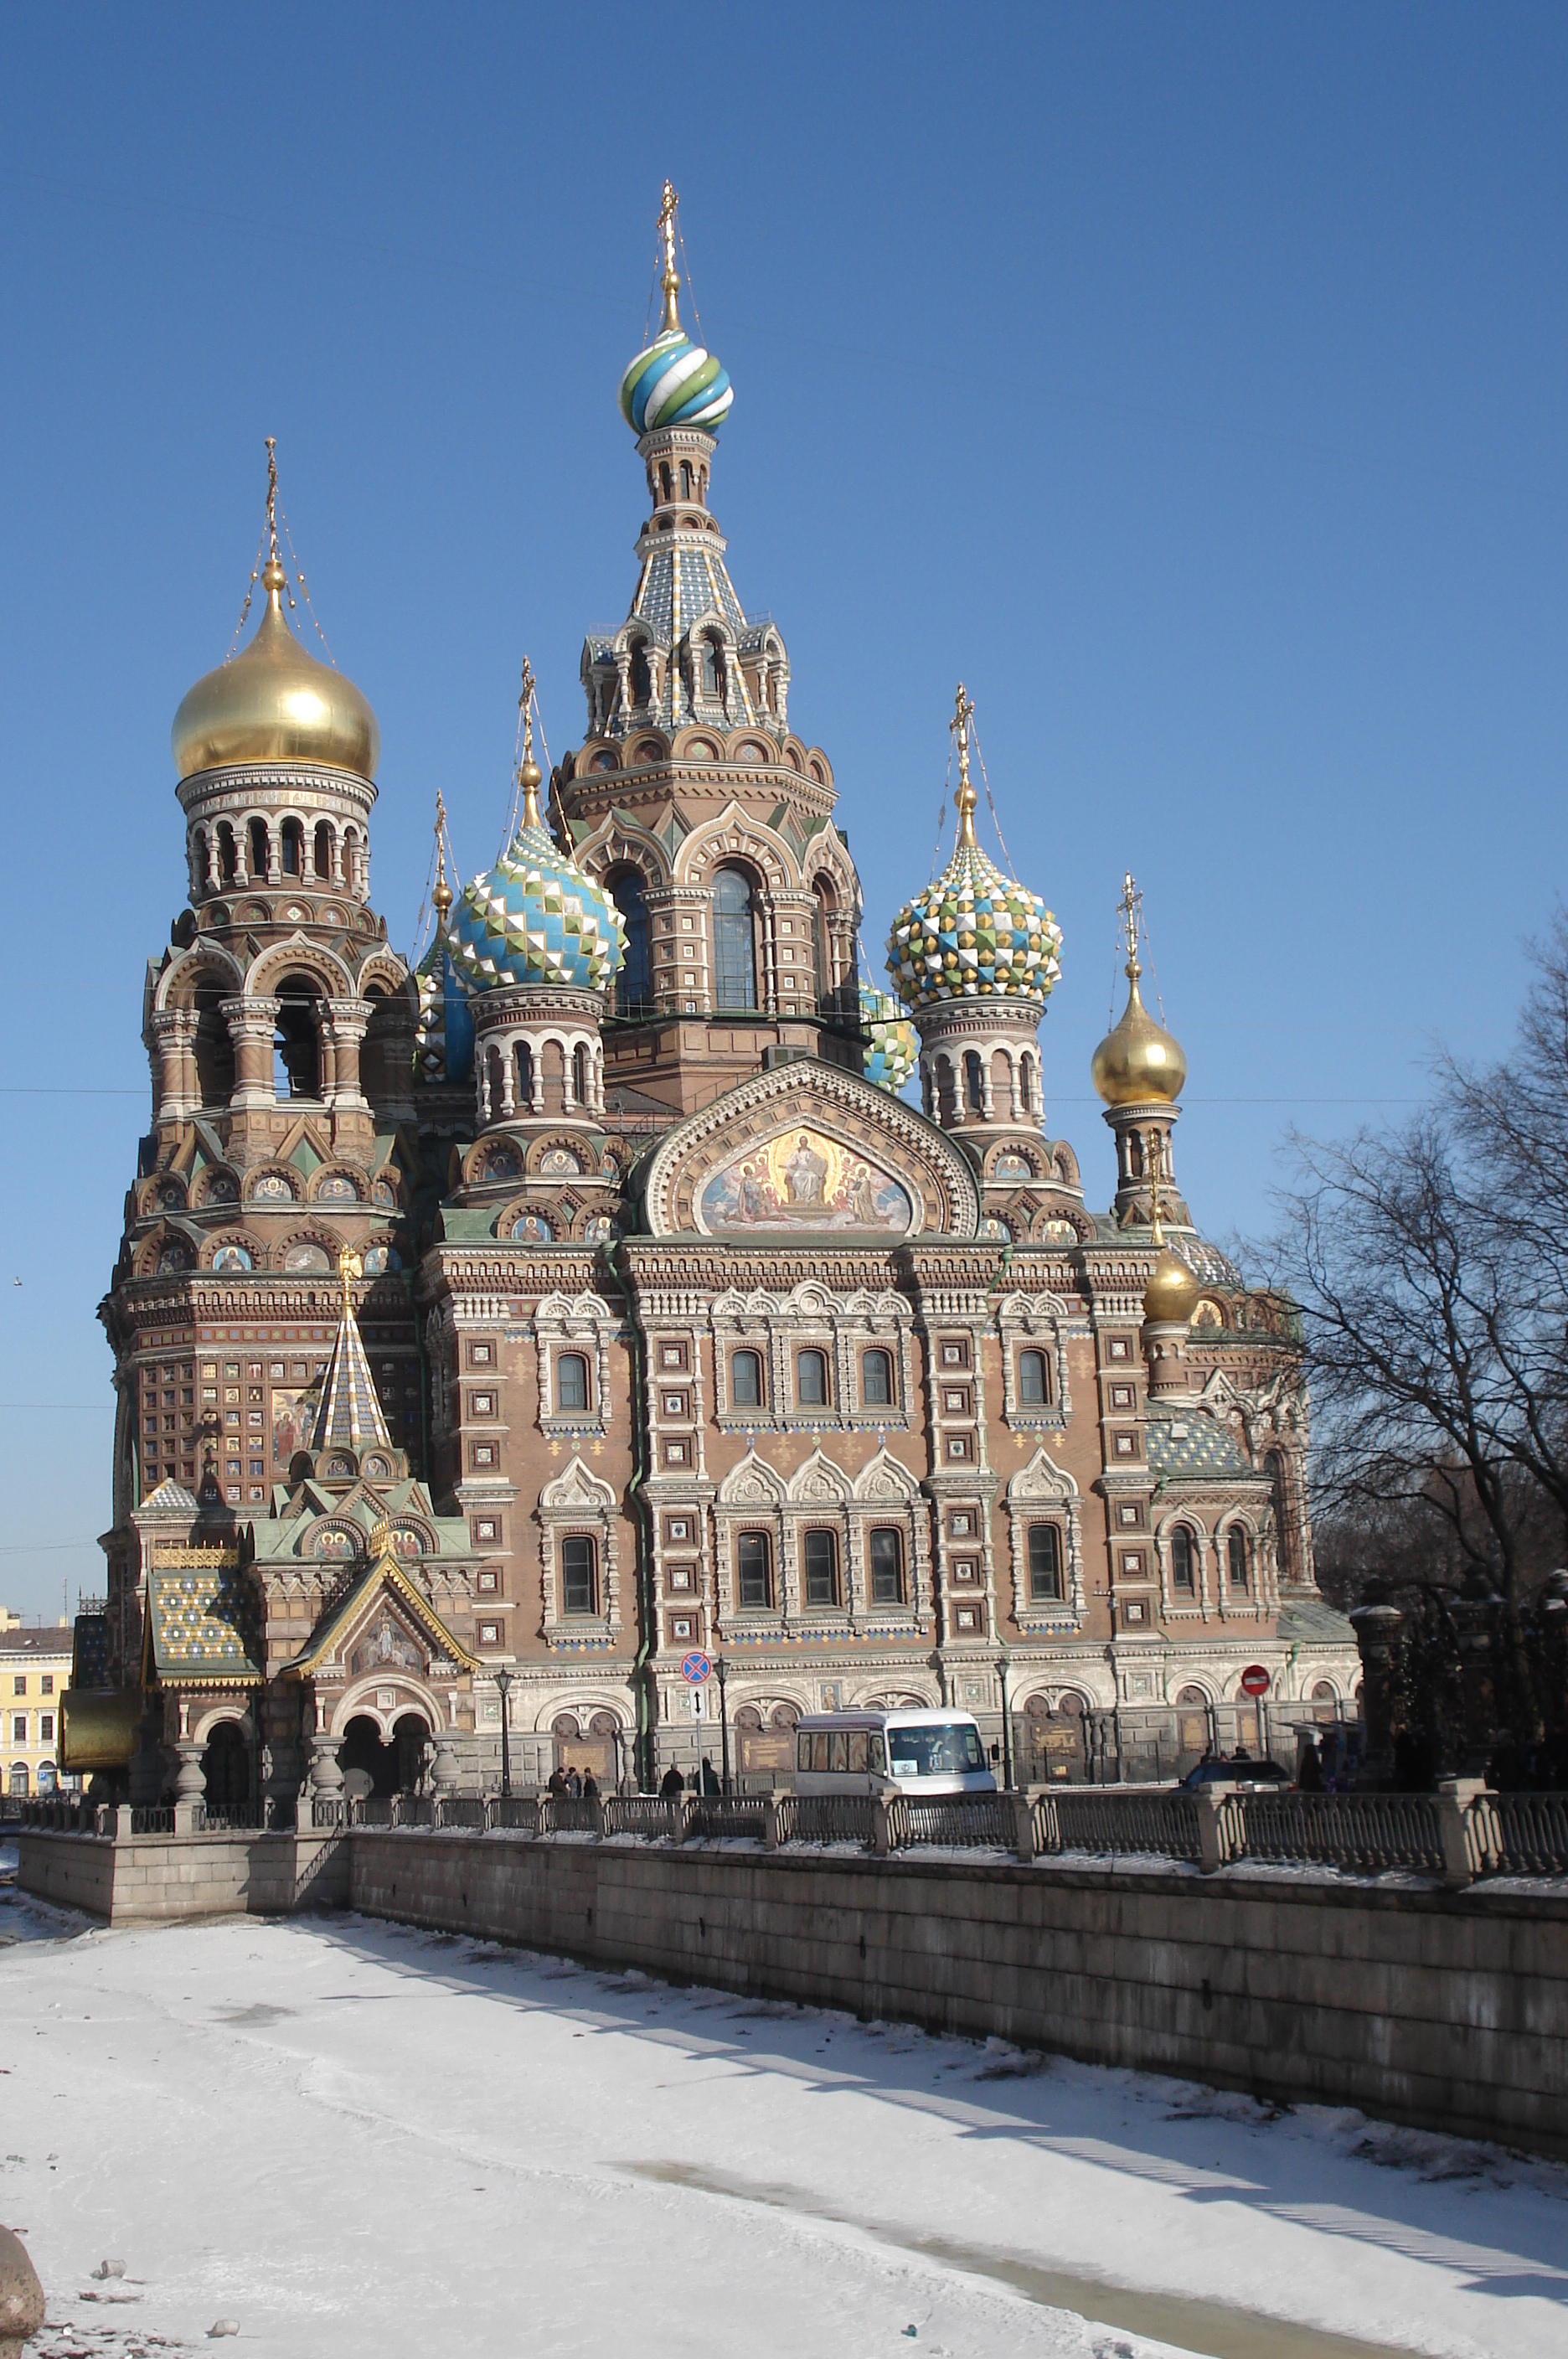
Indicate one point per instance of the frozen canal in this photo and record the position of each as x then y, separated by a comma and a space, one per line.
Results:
349, 2139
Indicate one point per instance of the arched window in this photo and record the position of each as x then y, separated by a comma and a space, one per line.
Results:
570, 1381
753, 1569
822, 1569
293, 843
1284, 1535
1183, 1568
745, 1380
735, 941
577, 1570
685, 479
973, 1082
876, 1380
642, 679
812, 1379
323, 854
666, 481
525, 1081
215, 1047
632, 984
580, 1073
1026, 1083
886, 1569
297, 1041
256, 833
823, 906
228, 858
1034, 1380
1044, 1562
710, 669
1235, 1562
946, 1102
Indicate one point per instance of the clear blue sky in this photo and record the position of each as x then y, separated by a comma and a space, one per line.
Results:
1191, 381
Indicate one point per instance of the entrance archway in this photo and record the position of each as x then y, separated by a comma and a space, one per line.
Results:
1055, 1739
393, 1763
226, 1765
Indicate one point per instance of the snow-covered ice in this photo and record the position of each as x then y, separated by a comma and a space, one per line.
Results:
345, 2138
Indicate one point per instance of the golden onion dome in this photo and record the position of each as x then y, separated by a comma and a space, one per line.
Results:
273, 702
1138, 1062
1173, 1292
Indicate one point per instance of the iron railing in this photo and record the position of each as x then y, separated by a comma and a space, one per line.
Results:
727, 1817
646, 1815
827, 1818
1089, 1818
983, 1820
1520, 1834
1364, 1833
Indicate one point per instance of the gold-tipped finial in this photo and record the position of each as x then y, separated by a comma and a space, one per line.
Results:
529, 771
672, 279
1138, 1059
1131, 908
440, 892
966, 797
272, 574
349, 1266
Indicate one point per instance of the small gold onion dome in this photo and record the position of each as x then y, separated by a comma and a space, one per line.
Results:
1173, 1292
275, 703
1140, 1062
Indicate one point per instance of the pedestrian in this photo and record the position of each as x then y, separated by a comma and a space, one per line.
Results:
590, 1787
710, 1777
674, 1785
555, 1783
574, 1784
1308, 1775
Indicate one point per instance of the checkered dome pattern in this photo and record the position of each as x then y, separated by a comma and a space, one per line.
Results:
203, 1619
536, 918
891, 1050
974, 934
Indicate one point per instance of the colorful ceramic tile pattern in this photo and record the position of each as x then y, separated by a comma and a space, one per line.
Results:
536, 918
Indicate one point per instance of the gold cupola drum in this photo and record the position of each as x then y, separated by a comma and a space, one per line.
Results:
973, 957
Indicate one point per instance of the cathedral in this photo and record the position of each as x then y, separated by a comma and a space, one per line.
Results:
497, 1333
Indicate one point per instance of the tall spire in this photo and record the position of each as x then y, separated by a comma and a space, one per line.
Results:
440, 892
529, 771
349, 1414
672, 279
966, 797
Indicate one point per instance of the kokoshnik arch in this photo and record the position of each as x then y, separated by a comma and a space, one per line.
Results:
589, 1293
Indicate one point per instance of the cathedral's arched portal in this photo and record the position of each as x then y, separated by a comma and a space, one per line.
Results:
392, 1764
226, 1765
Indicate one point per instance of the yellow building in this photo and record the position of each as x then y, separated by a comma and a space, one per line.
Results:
35, 1671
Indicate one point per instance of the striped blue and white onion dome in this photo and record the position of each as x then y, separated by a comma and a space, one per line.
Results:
536, 918
973, 934
675, 383
891, 1050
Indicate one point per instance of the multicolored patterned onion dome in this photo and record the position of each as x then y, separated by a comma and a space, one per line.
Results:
443, 1037
675, 383
974, 934
536, 918
892, 1050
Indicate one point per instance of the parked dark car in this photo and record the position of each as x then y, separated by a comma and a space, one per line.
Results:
1217, 1771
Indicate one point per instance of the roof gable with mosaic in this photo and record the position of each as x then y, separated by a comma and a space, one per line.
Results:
203, 1620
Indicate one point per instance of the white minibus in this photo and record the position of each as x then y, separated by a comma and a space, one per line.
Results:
918, 1751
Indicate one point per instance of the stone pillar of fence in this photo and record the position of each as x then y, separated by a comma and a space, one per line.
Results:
881, 1825
1023, 1821
1214, 1826
770, 1831
189, 1785
1462, 1854
1379, 1627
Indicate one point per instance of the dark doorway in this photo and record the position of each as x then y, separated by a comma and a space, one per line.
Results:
226, 1765
392, 1764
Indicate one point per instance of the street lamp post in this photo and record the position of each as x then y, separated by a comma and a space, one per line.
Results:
1003, 1659
504, 1681
723, 1724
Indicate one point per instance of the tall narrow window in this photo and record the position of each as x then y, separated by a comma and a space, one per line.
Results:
876, 1380
1183, 1576
632, 983
572, 1381
525, 1081
710, 670
1235, 1560
886, 1569
1044, 1562
577, 1574
751, 1564
580, 1089
822, 1569
259, 852
735, 941
811, 1384
745, 1380
642, 679
324, 849
973, 1082
297, 1041
1034, 1381
293, 841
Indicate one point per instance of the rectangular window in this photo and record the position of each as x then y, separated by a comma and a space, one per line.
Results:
886, 1569
46, 1728
745, 1380
752, 1566
1034, 1381
46, 1684
18, 1728
1044, 1562
19, 1684
572, 1381
812, 1379
822, 1569
876, 1380
577, 1574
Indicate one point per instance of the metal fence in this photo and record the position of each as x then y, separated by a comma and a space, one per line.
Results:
1089, 1818
960, 1820
736, 1815
1520, 1834
1363, 1832
827, 1818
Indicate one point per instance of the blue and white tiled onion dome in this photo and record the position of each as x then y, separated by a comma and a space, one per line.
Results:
536, 918
443, 1037
973, 934
892, 1050
675, 383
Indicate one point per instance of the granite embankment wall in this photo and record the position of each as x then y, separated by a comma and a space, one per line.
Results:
1445, 2009
157, 1878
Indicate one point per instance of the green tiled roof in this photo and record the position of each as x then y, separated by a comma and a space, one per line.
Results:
203, 1622
1193, 1446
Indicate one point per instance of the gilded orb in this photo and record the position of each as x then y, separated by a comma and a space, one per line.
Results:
1173, 1292
275, 703
1140, 1062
